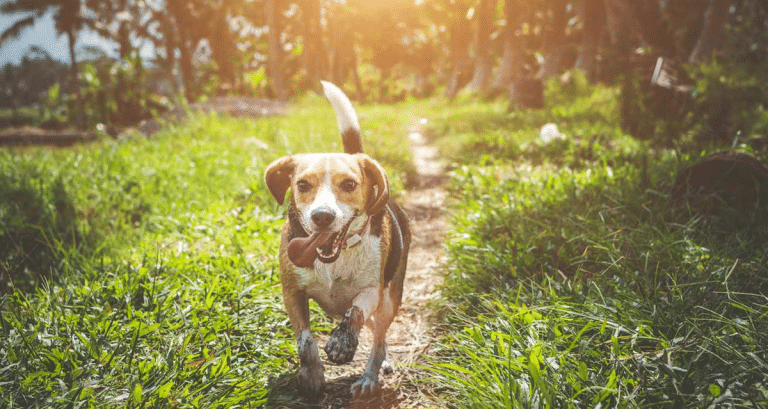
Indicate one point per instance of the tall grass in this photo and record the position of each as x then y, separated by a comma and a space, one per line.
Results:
571, 281
142, 272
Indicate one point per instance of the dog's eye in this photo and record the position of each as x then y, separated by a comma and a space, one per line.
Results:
303, 186
348, 185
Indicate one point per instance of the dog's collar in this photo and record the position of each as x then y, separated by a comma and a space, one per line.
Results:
355, 237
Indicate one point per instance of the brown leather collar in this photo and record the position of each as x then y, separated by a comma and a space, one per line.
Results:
355, 238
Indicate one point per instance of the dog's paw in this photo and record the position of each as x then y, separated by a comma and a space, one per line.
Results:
311, 381
387, 367
342, 344
365, 386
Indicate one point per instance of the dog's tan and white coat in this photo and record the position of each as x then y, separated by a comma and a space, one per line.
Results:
344, 244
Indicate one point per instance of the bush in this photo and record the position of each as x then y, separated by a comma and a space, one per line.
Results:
729, 103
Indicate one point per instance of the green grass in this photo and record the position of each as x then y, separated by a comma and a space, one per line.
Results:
143, 272
571, 280
470, 131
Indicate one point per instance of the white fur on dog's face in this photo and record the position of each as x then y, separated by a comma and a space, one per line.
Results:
328, 182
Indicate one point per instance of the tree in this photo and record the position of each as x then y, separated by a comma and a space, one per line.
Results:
178, 29
483, 60
68, 20
554, 41
593, 18
314, 57
119, 20
654, 28
10, 88
714, 19
385, 31
459, 38
342, 59
272, 9
511, 49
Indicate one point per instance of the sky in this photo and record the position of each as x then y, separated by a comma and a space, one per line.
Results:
43, 34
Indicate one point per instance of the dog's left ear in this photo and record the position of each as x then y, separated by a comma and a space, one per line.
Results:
378, 195
278, 177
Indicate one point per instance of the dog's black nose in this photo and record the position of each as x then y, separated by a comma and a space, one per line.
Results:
323, 217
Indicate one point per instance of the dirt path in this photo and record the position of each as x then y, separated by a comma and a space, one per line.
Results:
410, 335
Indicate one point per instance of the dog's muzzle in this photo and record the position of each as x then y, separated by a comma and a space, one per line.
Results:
325, 246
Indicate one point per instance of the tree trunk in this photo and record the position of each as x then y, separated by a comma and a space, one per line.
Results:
509, 66
124, 41
186, 67
343, 57
709, 38
170, 40
555, 40
356, 77
621, 19
459, 72
76, 80
275, 59
314, 58
383, 88
593, 16
123, 32
484, 18
223, 49
460, 37
654, 29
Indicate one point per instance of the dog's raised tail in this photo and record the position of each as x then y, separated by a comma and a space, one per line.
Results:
346, 118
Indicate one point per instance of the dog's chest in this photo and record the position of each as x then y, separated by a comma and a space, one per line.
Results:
335, 285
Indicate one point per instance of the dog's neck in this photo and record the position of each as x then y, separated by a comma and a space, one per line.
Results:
356, 231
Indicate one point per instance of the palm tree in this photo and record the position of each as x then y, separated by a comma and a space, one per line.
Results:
68, 20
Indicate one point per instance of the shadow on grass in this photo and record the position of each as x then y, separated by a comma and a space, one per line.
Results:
37, 224
336, 395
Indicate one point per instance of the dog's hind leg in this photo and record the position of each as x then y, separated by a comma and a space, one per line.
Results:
386, 366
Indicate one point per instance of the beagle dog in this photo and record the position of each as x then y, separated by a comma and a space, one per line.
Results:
345, 245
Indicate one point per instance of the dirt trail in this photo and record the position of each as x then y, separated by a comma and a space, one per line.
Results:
411, 333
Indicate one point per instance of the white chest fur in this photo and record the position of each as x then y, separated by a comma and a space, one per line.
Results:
335, 285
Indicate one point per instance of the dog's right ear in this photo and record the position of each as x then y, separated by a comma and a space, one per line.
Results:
278, 177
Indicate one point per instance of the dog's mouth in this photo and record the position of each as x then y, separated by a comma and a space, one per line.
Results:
325, 246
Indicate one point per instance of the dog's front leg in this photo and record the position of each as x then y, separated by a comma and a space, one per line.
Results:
342, 344
381, 320
311, 379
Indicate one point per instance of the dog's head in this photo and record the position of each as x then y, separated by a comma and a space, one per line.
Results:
329, 189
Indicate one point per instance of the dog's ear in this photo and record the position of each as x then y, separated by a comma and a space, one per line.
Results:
378, 195
278, 177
